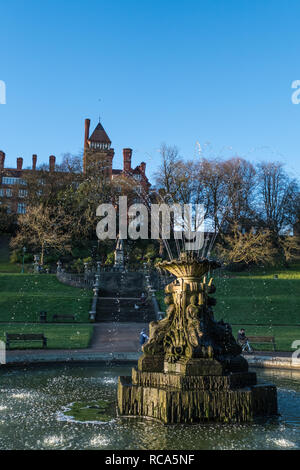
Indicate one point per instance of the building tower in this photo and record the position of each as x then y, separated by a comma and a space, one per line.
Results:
98, 154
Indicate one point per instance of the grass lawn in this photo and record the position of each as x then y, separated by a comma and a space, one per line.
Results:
23, 296
58, 336
257, 298
260, 303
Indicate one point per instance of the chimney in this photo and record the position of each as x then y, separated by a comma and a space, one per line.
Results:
143, 167
34, 159
127, 153
86, 132
19, 163
52, 163
2, 159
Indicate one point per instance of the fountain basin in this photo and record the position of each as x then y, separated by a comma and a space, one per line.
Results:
33, 400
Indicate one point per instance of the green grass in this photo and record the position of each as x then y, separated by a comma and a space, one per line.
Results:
58, 336
255, 298
23, 296
5, 265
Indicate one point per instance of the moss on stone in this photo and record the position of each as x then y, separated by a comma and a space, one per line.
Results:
99, 410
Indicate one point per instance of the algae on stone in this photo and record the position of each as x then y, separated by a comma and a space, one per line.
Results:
99, 410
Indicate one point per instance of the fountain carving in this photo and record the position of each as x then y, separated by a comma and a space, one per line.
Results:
191, 369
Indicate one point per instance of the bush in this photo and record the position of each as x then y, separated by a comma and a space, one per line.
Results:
15, 257
77, 266
110, 259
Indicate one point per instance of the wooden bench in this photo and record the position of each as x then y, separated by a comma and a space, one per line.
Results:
262, 340
63, 317
25, 337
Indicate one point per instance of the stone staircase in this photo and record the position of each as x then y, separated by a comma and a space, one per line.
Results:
119, 292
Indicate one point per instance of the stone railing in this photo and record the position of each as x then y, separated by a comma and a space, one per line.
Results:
85, 281
151, 293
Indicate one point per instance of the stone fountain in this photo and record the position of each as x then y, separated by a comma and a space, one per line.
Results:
191, 369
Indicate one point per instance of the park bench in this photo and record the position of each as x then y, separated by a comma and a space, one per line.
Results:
63, 317
262, 340
25, 337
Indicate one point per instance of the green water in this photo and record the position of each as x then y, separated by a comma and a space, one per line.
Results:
35, 406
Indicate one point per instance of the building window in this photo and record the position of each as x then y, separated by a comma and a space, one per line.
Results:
22, 193
10, 180
8, 192
21, 208
1, 192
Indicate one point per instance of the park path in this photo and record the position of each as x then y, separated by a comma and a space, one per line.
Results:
119, 340
117, 337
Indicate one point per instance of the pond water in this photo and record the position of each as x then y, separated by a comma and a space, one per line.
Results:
58, 407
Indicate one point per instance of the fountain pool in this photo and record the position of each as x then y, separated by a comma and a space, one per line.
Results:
73, 407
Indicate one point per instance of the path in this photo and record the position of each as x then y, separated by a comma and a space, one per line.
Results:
117, 337
111, 341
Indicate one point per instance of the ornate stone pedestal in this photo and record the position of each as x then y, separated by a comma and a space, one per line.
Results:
191, 370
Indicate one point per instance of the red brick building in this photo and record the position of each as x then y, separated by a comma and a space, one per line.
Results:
97, 147
97, 150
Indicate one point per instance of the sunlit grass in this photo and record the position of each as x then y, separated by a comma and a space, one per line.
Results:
24, 296
58, 336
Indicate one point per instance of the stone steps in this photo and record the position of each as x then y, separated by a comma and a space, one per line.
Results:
122, 310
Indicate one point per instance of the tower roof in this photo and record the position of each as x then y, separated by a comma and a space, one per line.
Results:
99, 135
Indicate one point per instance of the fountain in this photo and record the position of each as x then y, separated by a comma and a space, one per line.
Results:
191, 369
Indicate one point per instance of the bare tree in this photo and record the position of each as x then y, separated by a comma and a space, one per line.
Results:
211, 189
43, 227
165, 177
277, 196
247, 248
239, 182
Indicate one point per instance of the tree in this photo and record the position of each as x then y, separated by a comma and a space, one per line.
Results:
290, 247
247, 248
210, 180
7, 221
277, 196
43, 228
44, 187
165, 177
239, 184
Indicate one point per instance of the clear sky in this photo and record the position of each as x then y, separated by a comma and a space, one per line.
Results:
174, 71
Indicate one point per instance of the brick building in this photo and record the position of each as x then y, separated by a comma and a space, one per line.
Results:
97, 158
97, 150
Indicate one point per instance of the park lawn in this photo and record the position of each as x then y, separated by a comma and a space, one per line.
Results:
258, 298
23, 296
58, 336
7, 267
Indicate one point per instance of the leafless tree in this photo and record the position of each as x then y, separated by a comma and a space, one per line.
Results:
43, 227
277, 196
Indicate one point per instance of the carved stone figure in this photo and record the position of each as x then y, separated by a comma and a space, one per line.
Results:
191, 369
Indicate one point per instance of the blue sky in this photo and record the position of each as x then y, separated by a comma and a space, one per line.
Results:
174, 71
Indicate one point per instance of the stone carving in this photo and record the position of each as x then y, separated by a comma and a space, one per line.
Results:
192, 366
119, 254
189, 329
